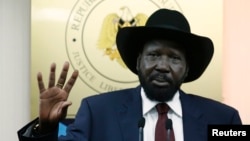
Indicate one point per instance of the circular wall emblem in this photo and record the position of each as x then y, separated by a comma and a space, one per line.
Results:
90, 39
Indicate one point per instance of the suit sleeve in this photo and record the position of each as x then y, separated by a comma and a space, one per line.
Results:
236, 118
25, 133
81, 128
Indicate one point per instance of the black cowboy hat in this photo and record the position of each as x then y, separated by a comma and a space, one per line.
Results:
171, 25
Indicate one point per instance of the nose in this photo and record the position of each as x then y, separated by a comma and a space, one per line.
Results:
163, 65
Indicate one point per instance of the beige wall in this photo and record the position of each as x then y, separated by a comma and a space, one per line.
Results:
236, 56
15, 62
14, 67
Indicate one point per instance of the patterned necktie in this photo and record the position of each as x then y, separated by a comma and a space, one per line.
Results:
160, 130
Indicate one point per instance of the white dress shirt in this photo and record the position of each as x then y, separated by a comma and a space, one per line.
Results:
150, 114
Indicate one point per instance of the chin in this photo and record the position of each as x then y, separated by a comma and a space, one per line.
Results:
161, 94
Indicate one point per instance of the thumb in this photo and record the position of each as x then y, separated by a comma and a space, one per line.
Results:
64, 108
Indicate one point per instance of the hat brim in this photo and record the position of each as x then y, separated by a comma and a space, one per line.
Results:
199, 49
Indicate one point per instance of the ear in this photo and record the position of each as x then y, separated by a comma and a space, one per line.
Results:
138, 62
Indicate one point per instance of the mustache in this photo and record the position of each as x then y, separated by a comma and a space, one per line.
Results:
160, 76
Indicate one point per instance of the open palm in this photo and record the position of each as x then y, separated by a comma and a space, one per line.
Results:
54, 99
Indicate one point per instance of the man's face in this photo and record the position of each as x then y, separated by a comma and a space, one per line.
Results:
162, 67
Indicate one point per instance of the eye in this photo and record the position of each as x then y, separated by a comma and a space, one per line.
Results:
153, 54
175, 58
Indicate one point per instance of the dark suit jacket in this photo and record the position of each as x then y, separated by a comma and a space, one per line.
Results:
114, 116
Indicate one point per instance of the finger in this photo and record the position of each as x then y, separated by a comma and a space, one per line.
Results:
71, 81
63, 75
63, 109
52, 75
40, 82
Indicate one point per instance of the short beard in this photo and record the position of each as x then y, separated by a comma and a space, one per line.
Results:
161, 94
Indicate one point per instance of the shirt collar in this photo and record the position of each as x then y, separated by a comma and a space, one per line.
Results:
174, 103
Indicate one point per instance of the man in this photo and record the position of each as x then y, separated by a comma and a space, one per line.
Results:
164, 54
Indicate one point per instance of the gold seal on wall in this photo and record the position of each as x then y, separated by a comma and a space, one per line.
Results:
90, 39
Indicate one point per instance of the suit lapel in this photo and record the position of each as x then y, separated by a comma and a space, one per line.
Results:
194, 123
129, 113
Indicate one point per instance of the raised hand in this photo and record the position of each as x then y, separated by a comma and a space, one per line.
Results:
54, 99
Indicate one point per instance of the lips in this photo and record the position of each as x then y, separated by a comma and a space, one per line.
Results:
161, 81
